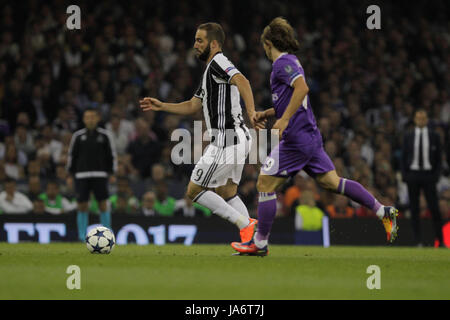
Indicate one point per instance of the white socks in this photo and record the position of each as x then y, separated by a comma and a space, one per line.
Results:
380, 212
219, 206
260, 243
238, 205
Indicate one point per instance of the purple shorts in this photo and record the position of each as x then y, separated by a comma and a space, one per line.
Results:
287, 159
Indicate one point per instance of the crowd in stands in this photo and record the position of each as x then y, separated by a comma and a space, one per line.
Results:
364, 87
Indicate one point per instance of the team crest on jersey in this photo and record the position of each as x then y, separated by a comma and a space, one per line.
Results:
288, 69
269, 163
100, 139
83, 137
274, 97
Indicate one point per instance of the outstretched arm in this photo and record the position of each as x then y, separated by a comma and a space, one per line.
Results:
183, 108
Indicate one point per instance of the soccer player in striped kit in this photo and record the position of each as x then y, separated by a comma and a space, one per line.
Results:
216, 176
301, 146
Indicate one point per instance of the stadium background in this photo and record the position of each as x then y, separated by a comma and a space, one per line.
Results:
364, 86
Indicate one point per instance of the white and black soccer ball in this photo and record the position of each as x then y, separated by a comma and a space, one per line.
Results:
100, 240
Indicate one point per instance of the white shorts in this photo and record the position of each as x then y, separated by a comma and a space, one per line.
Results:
218, 164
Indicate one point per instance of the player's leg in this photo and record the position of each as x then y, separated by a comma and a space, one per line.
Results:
284, 161
355, 191
352, 189
100, 188
82, 195
229, 193
267, 206
211, 200
210, 172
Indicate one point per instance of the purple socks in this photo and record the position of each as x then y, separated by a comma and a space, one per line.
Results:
267, 209
357, 193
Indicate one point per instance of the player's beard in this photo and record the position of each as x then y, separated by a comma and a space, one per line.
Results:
205, 54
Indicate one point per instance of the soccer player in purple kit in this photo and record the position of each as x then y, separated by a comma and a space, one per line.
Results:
301, 145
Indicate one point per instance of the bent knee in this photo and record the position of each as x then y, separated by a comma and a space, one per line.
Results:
329, 182
267, 183
193, 190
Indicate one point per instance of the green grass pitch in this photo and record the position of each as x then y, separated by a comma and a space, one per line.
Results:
172, 272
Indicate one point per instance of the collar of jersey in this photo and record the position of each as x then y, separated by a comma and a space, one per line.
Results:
282, 54
215, 54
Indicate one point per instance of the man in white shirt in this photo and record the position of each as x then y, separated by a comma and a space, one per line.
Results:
12, 201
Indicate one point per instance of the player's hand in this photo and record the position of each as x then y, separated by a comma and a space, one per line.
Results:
258, 122
260, 115
281, 125
147, 104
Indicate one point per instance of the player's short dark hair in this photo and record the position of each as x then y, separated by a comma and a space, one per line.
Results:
214, 31
282, 35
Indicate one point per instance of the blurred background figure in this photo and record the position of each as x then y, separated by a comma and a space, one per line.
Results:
12, 201
92, 158
148, 204
54, 201
421, 166
186, 208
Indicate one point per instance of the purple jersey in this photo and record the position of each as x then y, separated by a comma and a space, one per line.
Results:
285, 70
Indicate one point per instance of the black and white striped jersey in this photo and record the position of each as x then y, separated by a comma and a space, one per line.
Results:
220, 100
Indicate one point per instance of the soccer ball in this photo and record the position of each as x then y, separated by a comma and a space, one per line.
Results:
100, 240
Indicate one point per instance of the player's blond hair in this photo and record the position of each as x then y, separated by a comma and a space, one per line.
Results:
281, 34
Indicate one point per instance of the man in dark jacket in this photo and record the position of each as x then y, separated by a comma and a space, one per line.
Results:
92, 158
421, 168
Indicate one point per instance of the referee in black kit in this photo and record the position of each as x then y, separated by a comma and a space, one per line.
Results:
92, 158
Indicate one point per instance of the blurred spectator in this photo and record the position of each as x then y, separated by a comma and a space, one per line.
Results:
148, 204
13, 165
38, 206
124, 201
23, 140
52, 146
144, 148
307, 215
12, 201
120, 135
64, 122
340, 208
34, 187
186, 208
3, 175
294, 192
54, 201
421, 168
164, 204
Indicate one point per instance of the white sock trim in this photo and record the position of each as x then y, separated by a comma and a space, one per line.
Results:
266, 196
380, 212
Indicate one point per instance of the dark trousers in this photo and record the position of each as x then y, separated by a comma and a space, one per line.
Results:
431, 197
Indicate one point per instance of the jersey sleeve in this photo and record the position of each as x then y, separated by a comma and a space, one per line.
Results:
288, 71
199, 93
223, 69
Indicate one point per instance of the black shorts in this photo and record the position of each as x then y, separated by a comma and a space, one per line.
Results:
84, 187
